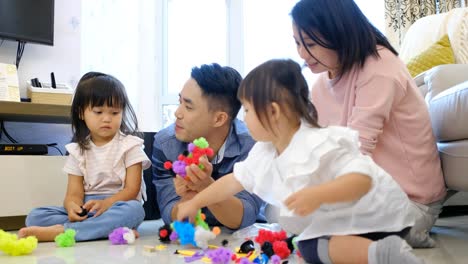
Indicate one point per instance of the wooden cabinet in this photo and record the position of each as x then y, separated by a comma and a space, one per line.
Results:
30, 181
29, 112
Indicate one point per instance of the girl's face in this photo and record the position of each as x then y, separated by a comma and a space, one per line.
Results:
103, 122
322, 59
256, 129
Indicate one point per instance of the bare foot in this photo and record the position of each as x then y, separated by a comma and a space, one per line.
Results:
137, 235
43, 234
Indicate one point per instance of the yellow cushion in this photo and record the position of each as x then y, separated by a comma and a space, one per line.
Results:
438, 53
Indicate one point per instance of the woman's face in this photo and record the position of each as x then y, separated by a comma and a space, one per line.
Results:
322, 59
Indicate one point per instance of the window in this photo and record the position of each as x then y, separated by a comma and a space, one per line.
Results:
154, 48
196, 34
268, 32
374, 11
119, 38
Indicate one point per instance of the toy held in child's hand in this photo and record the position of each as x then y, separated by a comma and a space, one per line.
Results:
83, 212
197, 149
122, 236
11, 245
197, 234
66, 239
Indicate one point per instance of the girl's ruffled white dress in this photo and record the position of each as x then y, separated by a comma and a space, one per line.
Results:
315, 156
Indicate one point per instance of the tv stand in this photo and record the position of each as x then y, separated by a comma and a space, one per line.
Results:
38, 113
30, 181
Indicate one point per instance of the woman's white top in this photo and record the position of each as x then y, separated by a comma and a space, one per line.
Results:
315, 156
104, 167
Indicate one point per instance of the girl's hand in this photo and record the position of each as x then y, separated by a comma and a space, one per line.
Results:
187, 210
73, 210
304, 202
98, 207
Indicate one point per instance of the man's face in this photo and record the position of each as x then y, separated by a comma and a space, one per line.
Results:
193, 119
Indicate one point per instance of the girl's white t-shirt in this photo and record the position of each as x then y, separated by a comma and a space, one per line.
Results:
104, 167
315, 156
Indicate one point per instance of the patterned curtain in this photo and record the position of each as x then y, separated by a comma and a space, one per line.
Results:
401, 14
447, 5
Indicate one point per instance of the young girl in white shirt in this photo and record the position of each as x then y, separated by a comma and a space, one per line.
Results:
104, 167
343, 207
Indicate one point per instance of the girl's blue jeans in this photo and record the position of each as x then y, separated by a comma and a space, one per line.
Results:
121, 214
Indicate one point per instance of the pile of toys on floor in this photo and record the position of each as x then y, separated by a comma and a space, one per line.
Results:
266, 247
273, 247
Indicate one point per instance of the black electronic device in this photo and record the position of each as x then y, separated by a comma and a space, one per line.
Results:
35, 82
27, 21
52, 80
23, 149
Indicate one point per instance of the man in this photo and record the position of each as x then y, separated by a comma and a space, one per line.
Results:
208, 108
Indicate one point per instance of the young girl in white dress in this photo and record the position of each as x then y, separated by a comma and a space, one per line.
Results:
343, 207
104, 167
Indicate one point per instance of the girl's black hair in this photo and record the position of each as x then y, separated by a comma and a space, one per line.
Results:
341, 26
98, 89
280, 81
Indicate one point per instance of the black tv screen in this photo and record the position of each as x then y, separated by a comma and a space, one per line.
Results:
27, 20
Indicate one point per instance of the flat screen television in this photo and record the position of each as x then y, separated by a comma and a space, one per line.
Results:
27, 21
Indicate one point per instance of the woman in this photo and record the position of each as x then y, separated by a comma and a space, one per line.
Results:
365, 86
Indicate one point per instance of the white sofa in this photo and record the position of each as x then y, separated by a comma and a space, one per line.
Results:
445, 88
446, 92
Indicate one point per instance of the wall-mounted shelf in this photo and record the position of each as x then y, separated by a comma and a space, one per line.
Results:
30, 112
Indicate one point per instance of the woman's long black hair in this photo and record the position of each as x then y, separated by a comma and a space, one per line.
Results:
341, 26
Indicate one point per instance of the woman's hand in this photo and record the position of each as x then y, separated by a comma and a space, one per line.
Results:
98, 207
73, 210
187, 211
304, 202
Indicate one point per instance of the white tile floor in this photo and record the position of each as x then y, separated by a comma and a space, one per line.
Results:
451, 236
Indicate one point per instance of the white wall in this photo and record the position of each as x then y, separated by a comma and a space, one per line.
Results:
39, 61
63, 58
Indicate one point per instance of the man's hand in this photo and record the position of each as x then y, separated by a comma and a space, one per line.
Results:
304, 202
199, 179
98, 207
182, 189
73, 210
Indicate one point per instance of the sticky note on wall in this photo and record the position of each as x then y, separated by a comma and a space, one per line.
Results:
9, 85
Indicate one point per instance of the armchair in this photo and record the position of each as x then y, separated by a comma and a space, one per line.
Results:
445, 89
